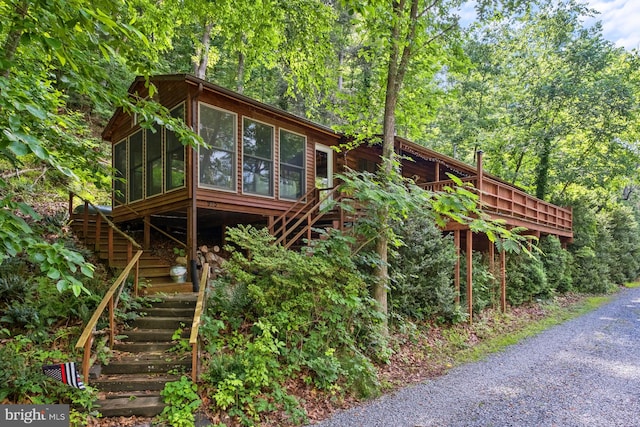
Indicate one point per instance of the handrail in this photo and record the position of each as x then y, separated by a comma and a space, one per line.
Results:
195, 326
155, 227
305, 201
86, 338
103, 216
307, 217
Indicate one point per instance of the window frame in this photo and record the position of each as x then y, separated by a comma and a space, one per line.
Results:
165, 154
272, 177
302, 168
234, 162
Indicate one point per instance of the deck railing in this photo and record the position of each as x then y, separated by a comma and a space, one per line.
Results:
499, 198
195, 326
110, 299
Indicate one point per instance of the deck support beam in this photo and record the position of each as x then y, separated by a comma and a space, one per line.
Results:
470, 275
503, 280
456, 271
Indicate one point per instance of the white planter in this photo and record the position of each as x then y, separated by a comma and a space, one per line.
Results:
178, 273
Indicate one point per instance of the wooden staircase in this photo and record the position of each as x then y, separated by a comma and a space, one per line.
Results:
91, 229
146, 358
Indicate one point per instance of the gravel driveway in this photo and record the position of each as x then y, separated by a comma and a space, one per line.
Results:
585, 372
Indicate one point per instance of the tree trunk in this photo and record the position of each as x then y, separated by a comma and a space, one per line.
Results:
240, 83
201, 62
13, 37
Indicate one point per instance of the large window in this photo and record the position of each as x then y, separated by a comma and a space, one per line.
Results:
174, 160
292, 159
257, 164
120, 172
154, 162
217, 163
135, 167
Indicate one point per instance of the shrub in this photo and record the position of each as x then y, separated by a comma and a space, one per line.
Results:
421, 271
526, 278
486, 290
295, 314
557, 263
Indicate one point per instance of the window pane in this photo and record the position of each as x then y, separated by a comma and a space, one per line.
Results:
291, 182
292, 162
174, 162
292, 148
218, 128
154, 163
257, 139
135, 166
216, 168
217, 164
257, 176
120, 172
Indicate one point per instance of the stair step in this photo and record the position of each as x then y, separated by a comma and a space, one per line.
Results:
127, 407
144, 346
186, 311
152, 322
150, 335
152, 364
168, 288
134, 383
183, 300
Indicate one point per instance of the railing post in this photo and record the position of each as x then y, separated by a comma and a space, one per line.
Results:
85, 221
112, 322
86, 359
136, 277
98, 232
194, 362
110, 246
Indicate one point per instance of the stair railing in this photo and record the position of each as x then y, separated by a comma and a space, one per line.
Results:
312, 215
110, 299
195, 326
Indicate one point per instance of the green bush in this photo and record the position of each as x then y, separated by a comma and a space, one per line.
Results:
486, 289
626, 245
526, 278
421, 271
294, 314
557, 264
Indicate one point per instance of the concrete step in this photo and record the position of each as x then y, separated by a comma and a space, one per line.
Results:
148, 363
153, 322
127, 407
133, 383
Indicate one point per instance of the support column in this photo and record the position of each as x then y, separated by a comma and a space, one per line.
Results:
147, 232
503, 281
492, 267
470, 274
456, 273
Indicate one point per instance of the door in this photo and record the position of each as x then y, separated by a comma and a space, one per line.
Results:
324, 170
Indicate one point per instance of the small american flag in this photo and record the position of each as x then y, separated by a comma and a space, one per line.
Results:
65, 372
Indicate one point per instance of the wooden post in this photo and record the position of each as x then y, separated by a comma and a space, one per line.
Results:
470, 274
503, 281
194, 363
110, 246
85, 221
136, 278
70, 204
192, 237
98, 232
456, 273
112, 322
480, 174
492, 267
147, 232
437, 177
86, 358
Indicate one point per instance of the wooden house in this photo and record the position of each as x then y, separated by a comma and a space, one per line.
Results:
264, 166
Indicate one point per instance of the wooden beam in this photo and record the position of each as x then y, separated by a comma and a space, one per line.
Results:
456, 272
147, 233
503, 281
470, 275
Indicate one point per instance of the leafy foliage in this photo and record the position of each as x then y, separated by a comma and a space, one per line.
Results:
295, 314
182, 402
421, 271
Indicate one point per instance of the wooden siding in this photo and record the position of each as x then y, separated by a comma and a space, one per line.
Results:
500, 199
